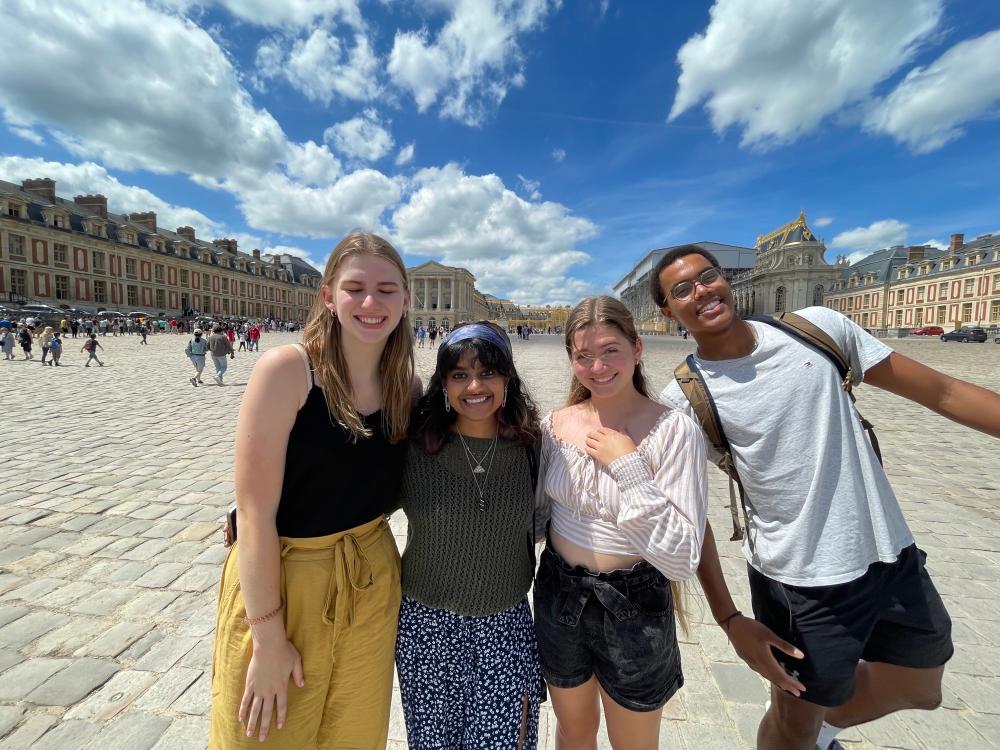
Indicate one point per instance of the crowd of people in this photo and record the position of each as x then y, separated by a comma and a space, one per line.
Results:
317, 608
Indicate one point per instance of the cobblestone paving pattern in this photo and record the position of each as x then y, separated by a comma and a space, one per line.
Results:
113, 481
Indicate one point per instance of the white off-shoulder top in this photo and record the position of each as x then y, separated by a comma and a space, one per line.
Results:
650, 503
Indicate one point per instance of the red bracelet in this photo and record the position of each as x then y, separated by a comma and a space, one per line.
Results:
264, 618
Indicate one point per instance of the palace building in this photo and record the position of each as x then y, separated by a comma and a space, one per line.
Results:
920, 286
78, 255
444, 296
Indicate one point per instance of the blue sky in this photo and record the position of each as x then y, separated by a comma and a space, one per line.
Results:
544, 145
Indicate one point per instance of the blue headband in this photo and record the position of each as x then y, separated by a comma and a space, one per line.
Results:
479, 331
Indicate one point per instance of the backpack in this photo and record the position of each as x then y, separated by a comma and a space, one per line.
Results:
55, 344
696, 391
89, 345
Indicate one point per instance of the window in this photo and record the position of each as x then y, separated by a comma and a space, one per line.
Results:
15, 246
967, 312
133, 295
899, 296
184, 277
779, 299
62, 287
243, 293
942, 313
161, 299
996, 282
918, 316
867, 301
60, 254
225, 285
921, 291
205, 282
943, 290
130, 267
158, 273
969, 287
97, 261
19, 281
899, 318
995, 311
100, 290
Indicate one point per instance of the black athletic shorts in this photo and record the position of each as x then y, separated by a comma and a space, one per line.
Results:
618, 626
891, 614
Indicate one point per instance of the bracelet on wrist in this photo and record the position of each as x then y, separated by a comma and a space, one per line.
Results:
727, 621
251, 621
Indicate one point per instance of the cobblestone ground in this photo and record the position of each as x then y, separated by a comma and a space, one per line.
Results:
112, 483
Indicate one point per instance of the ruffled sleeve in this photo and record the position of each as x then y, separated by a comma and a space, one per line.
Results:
664, 497
543, 503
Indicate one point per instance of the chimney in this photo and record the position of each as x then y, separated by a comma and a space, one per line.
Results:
226, 245
186, 232
96, 203
915, 252
43, 188
957, 240
256, 254
147, 220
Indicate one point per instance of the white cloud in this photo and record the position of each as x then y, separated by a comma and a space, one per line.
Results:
512, 245
558, 154
321, 66
776, 69
927, 109
823, 221
273, 202
936, 244
473, 60
294, 13
405, 155
87, 178
136, 87
312, 164
877, 235
363, 138
530, 188
26, 133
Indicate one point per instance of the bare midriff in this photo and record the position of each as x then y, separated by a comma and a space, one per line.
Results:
595, 562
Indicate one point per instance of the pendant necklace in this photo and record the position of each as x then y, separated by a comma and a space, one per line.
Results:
478, 468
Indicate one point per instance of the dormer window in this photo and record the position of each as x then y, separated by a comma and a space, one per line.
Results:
15, 209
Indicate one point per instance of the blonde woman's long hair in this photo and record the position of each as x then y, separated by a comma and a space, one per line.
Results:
322, 340
604, 310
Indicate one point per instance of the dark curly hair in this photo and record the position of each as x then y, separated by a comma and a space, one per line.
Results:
517, 419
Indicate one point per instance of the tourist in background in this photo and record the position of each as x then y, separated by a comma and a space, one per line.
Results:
196, 349
7, 339
310, 589
91, 345
24, 338
55, 349
219, 346
43, 340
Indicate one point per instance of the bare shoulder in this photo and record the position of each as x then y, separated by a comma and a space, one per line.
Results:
280, 370
569, 419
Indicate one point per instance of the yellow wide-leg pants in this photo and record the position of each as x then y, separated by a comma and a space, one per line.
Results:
342, 598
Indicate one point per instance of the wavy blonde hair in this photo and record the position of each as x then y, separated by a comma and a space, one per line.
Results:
322, 340
608, 311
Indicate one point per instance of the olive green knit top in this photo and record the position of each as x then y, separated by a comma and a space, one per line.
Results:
463, 555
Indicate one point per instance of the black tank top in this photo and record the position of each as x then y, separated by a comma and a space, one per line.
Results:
331, 484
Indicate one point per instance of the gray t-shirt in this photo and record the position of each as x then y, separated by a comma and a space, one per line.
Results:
820, 505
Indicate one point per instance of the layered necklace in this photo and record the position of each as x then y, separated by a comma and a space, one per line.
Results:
477, 468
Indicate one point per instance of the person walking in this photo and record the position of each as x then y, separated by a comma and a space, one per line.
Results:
837, 583
466, 652
91, 345
43, 339
310, 599
55, 349
24, 338
220, 348
255, 337
243, 339
143, 331
7, 340
196, 349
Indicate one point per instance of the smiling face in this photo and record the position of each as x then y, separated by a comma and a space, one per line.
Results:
604, 359
475, 392
368, 297
709, 308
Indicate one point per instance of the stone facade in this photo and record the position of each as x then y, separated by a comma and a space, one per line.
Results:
913, 287
789, 272
77, 254
444, 296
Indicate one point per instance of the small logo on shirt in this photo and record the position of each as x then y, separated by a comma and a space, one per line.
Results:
807, 364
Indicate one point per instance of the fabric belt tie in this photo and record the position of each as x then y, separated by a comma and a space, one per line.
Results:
578, 591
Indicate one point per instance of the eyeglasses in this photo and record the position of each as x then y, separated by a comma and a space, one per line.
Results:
684, 289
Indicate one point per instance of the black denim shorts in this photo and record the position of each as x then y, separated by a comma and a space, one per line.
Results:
618, 626
892, 614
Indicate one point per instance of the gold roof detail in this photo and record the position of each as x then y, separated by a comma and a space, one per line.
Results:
793, 231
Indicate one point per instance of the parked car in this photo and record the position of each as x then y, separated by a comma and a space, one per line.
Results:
927, 331
965, 335
43, 313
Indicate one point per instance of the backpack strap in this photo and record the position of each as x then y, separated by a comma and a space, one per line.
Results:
809, 333
693, 386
